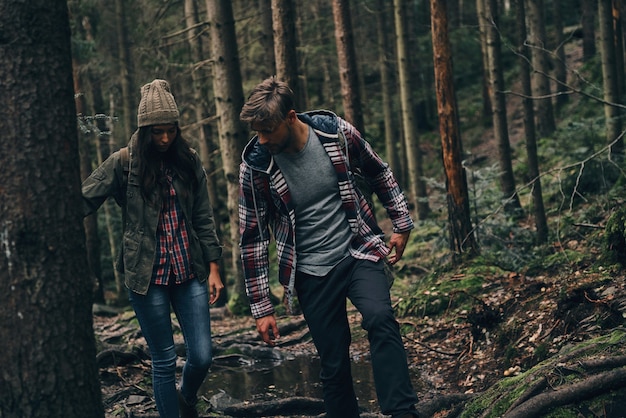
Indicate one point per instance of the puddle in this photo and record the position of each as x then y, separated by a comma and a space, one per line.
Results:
246, 379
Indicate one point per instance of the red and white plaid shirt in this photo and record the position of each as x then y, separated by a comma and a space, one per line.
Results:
172, 241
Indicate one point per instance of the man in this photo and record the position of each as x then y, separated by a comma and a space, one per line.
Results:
297, 179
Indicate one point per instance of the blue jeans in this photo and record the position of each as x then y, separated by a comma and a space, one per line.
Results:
191, 306
323, 302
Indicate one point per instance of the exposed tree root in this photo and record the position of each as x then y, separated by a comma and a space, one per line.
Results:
576, 392
439, 403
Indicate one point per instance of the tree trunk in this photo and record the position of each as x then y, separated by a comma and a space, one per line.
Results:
482, 32
419, 199
529, 125
540, 59
90, 223
103, 150
618, 26
609, 76
498, 107
589, 32
327, 91
285, 44
386, 86
459, 221
560, 73
346, 58
195, 46
125, 70
200, 109
88, 122
266, 37
229, 100
48, 347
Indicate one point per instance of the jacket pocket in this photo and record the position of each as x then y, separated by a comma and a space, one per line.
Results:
131, 251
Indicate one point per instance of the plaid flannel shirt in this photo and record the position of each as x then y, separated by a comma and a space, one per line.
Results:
172, 242
265, 203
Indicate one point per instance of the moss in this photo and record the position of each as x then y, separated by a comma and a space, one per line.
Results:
238, 306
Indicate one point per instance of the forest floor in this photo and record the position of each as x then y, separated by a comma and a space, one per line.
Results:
519, 321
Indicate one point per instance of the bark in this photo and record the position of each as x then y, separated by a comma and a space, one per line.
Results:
48, 347
498, 108
125, 70
348, 71
386, 87
266, 38
560, 73
618, 31
103, 149
609, 76
461, 236
541, 222
285, 44
195, 46
200, 110
228, 93
540, 59
482, 31
326, 91
418, 196
90, 223
588, 24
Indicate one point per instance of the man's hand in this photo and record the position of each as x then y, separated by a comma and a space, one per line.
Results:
398, 243
267, 328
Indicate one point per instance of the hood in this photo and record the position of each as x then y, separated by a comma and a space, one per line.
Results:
260, 159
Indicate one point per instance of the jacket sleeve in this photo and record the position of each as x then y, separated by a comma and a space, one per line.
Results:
104, 182
202, 217
254, 244
379, 177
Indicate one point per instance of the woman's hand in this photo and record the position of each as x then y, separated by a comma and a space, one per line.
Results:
215, 283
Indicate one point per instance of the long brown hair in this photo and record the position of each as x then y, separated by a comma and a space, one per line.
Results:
179, 157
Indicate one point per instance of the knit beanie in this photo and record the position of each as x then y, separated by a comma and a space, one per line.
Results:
157, 105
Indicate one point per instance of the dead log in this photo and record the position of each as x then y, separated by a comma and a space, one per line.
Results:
120, 357
288, 407
565, 395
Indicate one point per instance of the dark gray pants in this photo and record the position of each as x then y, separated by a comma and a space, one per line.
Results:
323, 302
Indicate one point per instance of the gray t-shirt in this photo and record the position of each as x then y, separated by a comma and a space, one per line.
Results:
323, 235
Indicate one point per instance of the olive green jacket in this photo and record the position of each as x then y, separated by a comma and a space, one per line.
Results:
140, 219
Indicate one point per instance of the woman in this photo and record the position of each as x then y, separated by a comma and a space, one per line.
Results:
169, 245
